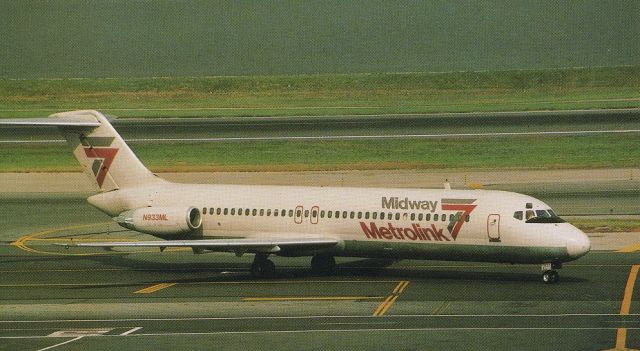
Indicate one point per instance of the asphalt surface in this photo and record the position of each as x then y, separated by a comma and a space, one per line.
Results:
94, 299
398, 126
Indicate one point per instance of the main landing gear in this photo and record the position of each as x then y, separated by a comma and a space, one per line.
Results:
262, 266
321, 265
549, 273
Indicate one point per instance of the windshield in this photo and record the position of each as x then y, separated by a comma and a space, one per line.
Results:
538, 216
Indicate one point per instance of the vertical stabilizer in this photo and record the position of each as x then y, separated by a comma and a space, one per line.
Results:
103, 154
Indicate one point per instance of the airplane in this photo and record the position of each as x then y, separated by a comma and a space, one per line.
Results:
320, 222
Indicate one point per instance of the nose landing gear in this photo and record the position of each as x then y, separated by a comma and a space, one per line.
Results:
549, 273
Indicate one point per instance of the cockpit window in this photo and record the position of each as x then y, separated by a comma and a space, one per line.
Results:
545, 216
530, 214
542, 213
546, 220
517, 215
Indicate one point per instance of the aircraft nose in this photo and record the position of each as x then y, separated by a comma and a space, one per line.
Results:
578, 244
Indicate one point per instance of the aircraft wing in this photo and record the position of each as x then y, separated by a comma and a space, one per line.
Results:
267, 245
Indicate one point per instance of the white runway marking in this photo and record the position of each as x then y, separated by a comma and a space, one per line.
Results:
60, 344
350, 137
132, 330
319, 317
359, 330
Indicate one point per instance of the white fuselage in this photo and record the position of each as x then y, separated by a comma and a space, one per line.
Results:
474, 225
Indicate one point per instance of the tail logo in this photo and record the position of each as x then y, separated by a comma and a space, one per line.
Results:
98, 149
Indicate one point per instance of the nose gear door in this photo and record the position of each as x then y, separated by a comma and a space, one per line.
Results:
493, 227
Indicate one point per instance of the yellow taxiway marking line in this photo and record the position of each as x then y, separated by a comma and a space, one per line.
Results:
391, 299
154, 288
621, 335
630, 248
312, 298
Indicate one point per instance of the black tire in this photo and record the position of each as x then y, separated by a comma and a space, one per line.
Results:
263, 268
550, 277
323, 265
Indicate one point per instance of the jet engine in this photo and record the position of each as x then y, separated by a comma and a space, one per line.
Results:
167, 221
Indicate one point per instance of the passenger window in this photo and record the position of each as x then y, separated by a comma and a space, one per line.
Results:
218, 211
211, 211
374, 215
337, 214
413, 216
226, 211
204, 210
233, 211
261, 212
517, 215
352, 215
254, 212
306, 213
298, 213
452, 218
397, 216
322, 214
275, 213
344, 214
435, 217
329, 214
381, 215
467, 218
427, 217
359, 215
269, 212
283, 213
404, 216
444, 217
314, 213
366, 215
239, 212
419, 216
246, 212
290, 213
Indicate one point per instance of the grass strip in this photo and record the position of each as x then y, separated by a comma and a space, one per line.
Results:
353, 94
606, 225
591, 151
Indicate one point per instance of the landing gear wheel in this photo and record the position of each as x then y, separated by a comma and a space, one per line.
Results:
262, 267
323, 265
550, 277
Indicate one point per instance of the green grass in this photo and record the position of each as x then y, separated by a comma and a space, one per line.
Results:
594, 151
355, 94
607, 225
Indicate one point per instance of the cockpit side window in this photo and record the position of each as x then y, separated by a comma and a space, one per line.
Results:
517, 215
542, 213
530, 214
545, 216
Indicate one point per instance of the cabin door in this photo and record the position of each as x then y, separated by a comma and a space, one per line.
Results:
493, 227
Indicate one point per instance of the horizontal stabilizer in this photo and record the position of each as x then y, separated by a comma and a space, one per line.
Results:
50, 122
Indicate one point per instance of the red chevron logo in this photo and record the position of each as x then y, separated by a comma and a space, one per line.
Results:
106, 154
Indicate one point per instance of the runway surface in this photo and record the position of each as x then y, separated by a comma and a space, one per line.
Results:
88, 299
449, 125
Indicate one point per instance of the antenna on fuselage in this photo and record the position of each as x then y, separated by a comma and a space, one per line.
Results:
447, 186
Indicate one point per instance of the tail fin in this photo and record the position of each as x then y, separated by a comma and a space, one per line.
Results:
103, 154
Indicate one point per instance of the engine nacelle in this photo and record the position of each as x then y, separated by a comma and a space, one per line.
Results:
167, 221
